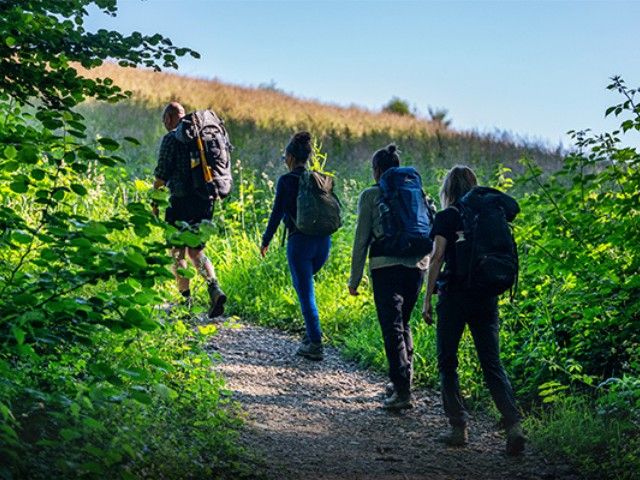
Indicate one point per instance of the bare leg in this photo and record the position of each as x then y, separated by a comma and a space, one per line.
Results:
202, 264
179, 261
216, 296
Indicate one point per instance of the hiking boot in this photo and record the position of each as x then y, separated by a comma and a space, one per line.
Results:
515, 439
457, 437
217, 299
389, 389
311, 350
397, 401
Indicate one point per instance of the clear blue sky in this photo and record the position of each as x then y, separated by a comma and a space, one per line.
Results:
536, 69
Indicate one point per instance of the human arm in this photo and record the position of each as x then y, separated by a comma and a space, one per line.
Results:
361, 241
435, 265
277, 213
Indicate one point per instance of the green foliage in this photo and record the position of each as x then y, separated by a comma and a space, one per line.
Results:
42, 38
398, 106
95, 379
600, 446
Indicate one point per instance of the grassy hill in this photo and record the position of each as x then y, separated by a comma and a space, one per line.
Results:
260, 122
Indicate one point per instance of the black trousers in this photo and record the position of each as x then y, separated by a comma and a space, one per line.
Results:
455, 310
395, 291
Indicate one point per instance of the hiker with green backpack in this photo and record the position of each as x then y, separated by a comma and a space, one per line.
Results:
394, 222
473, 239
311, 213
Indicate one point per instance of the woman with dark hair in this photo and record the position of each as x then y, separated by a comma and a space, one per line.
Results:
306, 254
458, 306
396, 280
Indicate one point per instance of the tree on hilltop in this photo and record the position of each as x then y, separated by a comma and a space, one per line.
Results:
398, 106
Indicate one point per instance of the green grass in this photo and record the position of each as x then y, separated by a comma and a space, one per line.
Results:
598, 445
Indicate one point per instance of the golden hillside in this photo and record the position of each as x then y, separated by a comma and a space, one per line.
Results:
263, 107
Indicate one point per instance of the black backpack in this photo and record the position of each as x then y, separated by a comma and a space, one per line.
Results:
318, 209
210, 152
406, 214
486, 252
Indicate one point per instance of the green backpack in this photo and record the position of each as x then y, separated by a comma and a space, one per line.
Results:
319, 210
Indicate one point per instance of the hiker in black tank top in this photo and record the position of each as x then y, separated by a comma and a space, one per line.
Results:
457, 307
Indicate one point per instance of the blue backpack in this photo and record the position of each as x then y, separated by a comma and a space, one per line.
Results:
406, 214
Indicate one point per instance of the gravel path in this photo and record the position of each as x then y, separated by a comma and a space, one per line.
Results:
322, 420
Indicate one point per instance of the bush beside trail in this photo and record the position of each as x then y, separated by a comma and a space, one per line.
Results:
95, 380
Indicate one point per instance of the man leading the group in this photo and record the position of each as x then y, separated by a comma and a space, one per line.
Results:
185, 205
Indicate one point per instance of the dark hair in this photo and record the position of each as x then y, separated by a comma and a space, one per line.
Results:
300, 146
386, 158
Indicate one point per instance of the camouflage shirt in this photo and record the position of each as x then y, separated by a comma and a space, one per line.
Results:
174, 166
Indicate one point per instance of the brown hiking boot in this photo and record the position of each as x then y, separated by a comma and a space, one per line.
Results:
457, 437
217, 300
515, 439
397, 401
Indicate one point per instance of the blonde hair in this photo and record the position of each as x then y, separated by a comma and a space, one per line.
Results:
458, 181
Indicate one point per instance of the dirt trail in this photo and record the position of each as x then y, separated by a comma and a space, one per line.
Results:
322, 420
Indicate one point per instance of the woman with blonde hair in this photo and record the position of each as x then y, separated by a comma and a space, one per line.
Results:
459, 305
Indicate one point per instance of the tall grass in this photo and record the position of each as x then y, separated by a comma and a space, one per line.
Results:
261, 121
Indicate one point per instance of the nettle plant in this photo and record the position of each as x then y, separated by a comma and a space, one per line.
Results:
67, 278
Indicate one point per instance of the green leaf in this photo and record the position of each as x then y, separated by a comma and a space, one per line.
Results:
134, 259
10, 41
18, 334
165, 392
37, 174
95, 229
161, 364
69, 434
134, 317
19, 236
28, 154
19, 186
10, 152
108, 144
132, 140
79, 189
143, 298
186, 272
141, 397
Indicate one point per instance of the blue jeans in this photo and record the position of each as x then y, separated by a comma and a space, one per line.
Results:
306, 255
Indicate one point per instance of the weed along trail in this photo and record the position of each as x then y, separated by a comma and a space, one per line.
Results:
322, 420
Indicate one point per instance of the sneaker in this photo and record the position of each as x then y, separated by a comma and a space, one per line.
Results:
311, 350
515, 439
217, 300
389, 389
457, 437
397, 401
